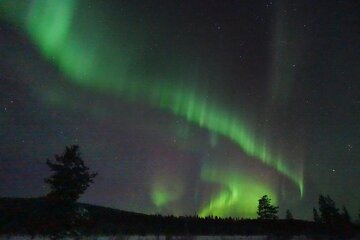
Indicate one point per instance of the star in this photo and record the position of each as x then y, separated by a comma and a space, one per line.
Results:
268, 4
349, 147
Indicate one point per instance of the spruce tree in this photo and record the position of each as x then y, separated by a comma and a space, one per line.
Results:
288, 215
316, 216
266, 210
345, 215
70, 179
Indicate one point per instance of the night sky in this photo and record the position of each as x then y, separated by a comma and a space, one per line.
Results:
184, 107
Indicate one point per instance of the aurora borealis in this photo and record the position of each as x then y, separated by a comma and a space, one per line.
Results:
182, 108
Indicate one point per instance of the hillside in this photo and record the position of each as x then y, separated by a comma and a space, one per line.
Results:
28, 215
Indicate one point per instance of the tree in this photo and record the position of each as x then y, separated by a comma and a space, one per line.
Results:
288, 215
345, 216
328, 211
70, 176
69, 180
266, 210
316, 216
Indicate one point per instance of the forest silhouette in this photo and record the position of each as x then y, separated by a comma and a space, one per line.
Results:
58, 214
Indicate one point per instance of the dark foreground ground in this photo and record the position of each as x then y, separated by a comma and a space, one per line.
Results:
30, 217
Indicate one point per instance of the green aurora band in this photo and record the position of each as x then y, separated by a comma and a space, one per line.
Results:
87, 59
238, 196
164, 191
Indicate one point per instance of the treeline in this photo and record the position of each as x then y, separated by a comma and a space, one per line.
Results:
59, 215
34, 217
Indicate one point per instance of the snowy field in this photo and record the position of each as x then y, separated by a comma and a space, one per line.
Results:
159, 238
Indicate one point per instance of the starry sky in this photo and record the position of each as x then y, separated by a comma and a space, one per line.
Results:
184, 107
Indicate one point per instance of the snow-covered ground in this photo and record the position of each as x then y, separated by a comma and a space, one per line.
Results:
123, 237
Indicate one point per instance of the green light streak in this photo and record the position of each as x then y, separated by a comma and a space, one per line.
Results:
238, 196
88, 61
161, 196
164, 191
48, 22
